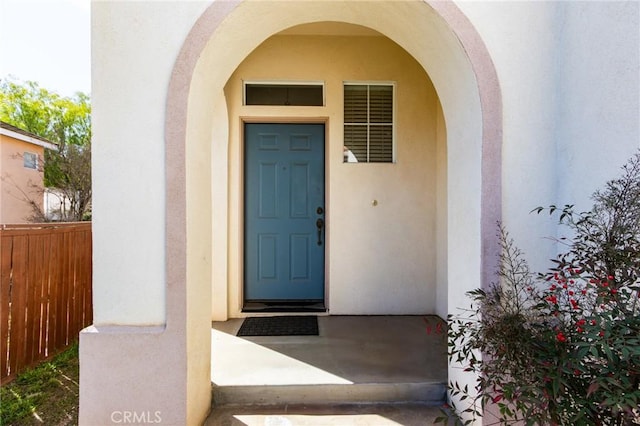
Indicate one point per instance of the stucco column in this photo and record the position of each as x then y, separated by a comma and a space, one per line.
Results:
146, 359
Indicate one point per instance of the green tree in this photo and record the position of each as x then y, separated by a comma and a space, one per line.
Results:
65, 121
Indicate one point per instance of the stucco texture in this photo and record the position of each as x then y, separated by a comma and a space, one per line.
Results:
540, 96
371, 250
164, 117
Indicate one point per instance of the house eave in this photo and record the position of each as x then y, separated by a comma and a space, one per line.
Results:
29, 139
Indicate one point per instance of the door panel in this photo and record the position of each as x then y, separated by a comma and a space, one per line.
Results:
284, 191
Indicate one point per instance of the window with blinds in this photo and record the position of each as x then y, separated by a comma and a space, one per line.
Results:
368, 123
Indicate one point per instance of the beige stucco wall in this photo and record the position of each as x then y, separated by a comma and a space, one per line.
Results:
570, 78
17, 182
134, 358
599, 118
388, 249
567, 80
130, 33
436, 51
167, 106
141, 134
521, 51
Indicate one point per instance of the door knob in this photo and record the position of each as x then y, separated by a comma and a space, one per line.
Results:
320, 225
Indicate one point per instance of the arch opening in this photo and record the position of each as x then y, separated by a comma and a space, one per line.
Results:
436, 35
403, 225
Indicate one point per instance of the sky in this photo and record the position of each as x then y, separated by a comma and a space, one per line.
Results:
47, 41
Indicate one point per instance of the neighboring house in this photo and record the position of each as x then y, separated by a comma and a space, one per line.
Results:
395, 133
21, 154
57, 205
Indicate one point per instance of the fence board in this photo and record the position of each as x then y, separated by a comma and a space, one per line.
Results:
31, 300
78, 292
63, 307
18, 300
49, 261
88, 286
73, 284
39, 303
61, 315
45, 291
6, 248
54, 290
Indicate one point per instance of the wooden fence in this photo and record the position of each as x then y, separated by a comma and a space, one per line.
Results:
45, 298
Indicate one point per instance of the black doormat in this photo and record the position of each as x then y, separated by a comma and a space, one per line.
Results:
279, 326
284, 307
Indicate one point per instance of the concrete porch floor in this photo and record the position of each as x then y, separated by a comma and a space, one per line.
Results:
364, 370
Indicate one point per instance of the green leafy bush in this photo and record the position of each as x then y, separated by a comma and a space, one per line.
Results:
561, 347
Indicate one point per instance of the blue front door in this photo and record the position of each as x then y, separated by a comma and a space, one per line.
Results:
284, 212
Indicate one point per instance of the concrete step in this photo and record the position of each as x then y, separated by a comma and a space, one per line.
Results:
353, 360
324, 415
431, 394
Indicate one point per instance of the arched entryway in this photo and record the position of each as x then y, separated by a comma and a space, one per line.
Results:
381, 217
146, 366
441, 40
439, 37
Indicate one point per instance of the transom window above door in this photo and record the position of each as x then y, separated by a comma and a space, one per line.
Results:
287, 94
368, 122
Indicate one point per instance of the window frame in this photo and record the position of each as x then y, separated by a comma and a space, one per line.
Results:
369, 83
284, 83
26, 155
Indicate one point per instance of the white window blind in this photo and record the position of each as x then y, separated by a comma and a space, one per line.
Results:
368, 123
